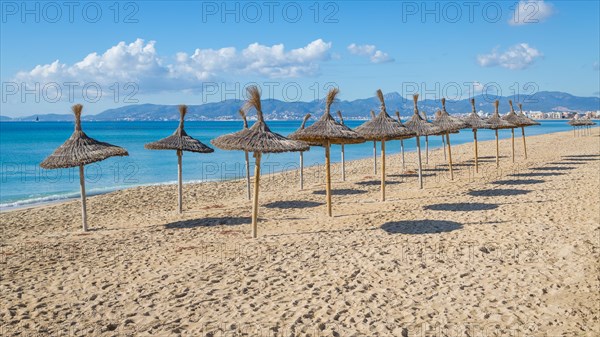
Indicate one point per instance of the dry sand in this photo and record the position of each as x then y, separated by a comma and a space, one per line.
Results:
509, 252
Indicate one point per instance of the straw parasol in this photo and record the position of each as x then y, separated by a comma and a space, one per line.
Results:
80, 150
448, 124
588, 124
421, 128
497, 123
424, 116
257, 139
374, 148
248, 193
301, 152
339, 113
475, 122
179, 141
327, 131
574, 123
401, 140
516, 121
383, 128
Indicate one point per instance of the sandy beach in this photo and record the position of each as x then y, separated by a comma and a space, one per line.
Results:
504, 252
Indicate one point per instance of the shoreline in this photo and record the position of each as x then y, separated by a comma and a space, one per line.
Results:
60, 199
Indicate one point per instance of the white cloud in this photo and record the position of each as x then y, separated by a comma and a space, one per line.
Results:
530, 11
139, 62
519, 56
370, 51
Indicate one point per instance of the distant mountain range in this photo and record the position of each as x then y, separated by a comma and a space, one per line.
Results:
545, 101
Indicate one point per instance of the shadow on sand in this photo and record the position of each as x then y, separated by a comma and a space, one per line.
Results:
461, 207
377, 182
341, 191
536, 174
209, 222
553, 168
518, 182
293, 204
420, 227
497, 193
582, 156
567, 163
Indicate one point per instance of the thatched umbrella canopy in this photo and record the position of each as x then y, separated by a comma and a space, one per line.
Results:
339, 113
474, 121
421, 128
401, 140
517, 122
526, 119
497, 123
327, 131
574, 122
179, 141
382, 128
80, 150
301, 152
448, 124
257, 139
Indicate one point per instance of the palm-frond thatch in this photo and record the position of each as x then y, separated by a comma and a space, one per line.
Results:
513, 118
530, 122
80, 149
302, 152
326, 129
302, 126
474, 121
447, 123
401, 140
382, 126
496, 122
258, 138
418, 125
180, 140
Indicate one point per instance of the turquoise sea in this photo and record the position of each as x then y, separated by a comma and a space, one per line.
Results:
23, 145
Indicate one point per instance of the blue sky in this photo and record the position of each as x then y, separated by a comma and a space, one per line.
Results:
187, 52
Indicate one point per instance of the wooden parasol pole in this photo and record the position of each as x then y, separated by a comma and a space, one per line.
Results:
476, 155
426, 150
420, 164
383, 170
444, 143
343, 165
248, 176
512, 130
374, 157
450, 156
301, 170
497, 150
402, 149
257, 156
179, 182
524, 143
83, 201
328, 177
